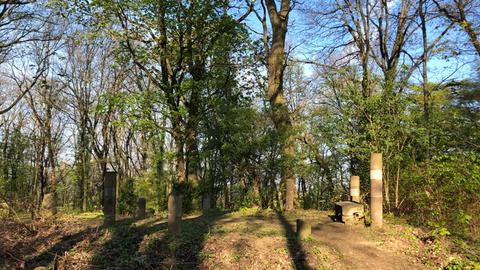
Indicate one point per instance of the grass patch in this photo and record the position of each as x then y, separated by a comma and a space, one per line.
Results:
268, 233
89, 215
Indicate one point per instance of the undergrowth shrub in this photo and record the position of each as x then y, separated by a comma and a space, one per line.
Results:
445, 193
127, 200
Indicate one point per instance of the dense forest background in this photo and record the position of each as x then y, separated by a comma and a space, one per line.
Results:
242, 103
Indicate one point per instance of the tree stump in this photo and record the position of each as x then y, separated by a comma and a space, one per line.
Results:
141, 204
304, 229
174, 213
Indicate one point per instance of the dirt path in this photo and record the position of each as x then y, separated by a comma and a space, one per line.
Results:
359, 252
257, 242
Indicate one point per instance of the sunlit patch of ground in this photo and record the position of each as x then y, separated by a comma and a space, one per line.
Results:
246, 239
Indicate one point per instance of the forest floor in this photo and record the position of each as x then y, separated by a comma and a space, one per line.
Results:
246, 239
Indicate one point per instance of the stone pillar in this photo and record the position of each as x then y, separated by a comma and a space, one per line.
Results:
109, 198
304, 229
4, 210
206, 203
355, 188
49, 205
174, 213
141, 204
376, 199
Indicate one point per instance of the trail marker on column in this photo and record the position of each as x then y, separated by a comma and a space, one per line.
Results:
376, 199
355, 188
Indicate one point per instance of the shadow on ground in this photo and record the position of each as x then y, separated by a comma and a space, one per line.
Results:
66, 243
149, 246
295, 249
134, 244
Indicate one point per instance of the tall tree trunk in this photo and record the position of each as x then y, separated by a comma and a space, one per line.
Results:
426, 92
386, 187
180, 159
84, 163
192, 162
256, 189
196, 68
275, 94
397, 185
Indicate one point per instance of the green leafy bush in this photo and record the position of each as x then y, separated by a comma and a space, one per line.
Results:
127, 200
446, 193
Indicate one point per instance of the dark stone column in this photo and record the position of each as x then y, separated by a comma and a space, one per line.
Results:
141, 204
49, 205
174, 213
206, 203
109, 198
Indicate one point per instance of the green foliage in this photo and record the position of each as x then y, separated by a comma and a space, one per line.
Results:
244, 198
440, 231
446, 191
16, 173
127, 199
146, 186
462, 264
